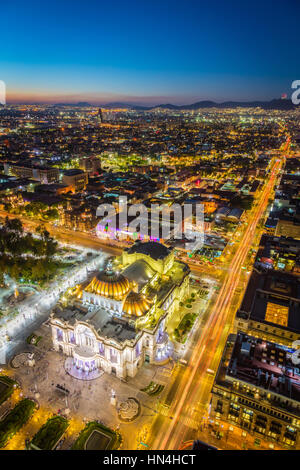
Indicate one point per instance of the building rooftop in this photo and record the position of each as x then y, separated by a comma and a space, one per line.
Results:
73, 172
105, 325
274, 298
139, 272
265, 365
153, 249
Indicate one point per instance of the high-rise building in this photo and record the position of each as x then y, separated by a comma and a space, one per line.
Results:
100, 115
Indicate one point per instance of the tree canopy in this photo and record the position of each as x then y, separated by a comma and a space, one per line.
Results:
24, 255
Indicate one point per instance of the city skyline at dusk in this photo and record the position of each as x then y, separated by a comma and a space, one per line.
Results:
128, 52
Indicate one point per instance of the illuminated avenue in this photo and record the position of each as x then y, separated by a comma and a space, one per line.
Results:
211, 342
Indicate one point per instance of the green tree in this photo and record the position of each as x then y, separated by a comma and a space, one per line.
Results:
51, 214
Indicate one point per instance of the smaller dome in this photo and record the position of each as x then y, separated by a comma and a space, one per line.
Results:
136, 304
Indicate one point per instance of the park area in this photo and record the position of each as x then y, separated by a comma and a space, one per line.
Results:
96, 436
184, 327
153, 389
15, 420
49, 434
7, 386
32, 259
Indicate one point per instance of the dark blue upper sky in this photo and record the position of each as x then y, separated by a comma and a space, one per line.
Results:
149, 51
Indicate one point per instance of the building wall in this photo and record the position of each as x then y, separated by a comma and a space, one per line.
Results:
44, 175
268, 332
254, 415
123, 360
77, 182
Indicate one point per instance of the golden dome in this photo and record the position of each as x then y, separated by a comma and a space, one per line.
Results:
109, 284
136, 304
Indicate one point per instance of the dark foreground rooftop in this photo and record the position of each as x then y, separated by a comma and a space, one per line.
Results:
266, 365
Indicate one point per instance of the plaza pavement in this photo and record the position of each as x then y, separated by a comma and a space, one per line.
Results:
88, 400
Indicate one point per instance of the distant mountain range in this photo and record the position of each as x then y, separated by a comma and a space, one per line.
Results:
81, 104
280, 104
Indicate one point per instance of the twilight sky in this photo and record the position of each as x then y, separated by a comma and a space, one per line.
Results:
148, 51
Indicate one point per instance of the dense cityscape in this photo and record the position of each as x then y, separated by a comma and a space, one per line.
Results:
149, 252
204, 337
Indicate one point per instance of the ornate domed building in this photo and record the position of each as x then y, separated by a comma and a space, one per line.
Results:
122, 320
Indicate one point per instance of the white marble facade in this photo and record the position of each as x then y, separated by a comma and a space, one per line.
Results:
114, 345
